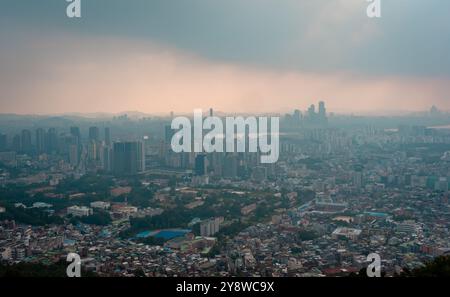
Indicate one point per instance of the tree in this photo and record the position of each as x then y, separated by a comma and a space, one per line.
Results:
439, 267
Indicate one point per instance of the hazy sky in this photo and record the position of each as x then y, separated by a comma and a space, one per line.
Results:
233, 55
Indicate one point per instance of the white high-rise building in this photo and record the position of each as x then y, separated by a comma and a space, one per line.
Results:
210, 227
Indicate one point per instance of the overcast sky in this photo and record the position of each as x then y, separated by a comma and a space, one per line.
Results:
234, 55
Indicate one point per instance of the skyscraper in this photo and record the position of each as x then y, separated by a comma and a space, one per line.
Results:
107, 158
52, 140
200, 165
297, 116
16, 146
92, 149
3, 142
107, 136
312, 111
40, 140
26, 141
230, 166
168, 134
75, 132
322, 113
128, 158
94, 134
73, 155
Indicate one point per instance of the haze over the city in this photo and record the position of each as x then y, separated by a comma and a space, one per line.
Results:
247, 56
227, 146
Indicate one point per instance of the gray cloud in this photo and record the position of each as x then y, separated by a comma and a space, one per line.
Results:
268, 55
412, 38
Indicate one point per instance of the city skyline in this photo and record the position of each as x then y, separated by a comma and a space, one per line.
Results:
271, 56
118, 196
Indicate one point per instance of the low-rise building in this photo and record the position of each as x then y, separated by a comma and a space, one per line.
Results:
100, 204
79, 211
349, 233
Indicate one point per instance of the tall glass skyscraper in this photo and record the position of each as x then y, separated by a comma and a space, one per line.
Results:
128, 158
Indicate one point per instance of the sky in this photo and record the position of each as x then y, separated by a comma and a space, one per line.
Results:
157, 56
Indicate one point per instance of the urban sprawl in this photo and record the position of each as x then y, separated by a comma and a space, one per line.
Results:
111, 190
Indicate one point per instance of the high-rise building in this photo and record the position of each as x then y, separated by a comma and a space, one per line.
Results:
107, 136
210, 227
52, 140
107, 158
75, 132
434, 111
318, 118
40, 140
312, 110
26, 141
230, 166
16, 143
216, 163
322, 110
128, 158
94, 134
73, 155
168, 134
322, 113
3, 142
297, 116
200, 165
92, 148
